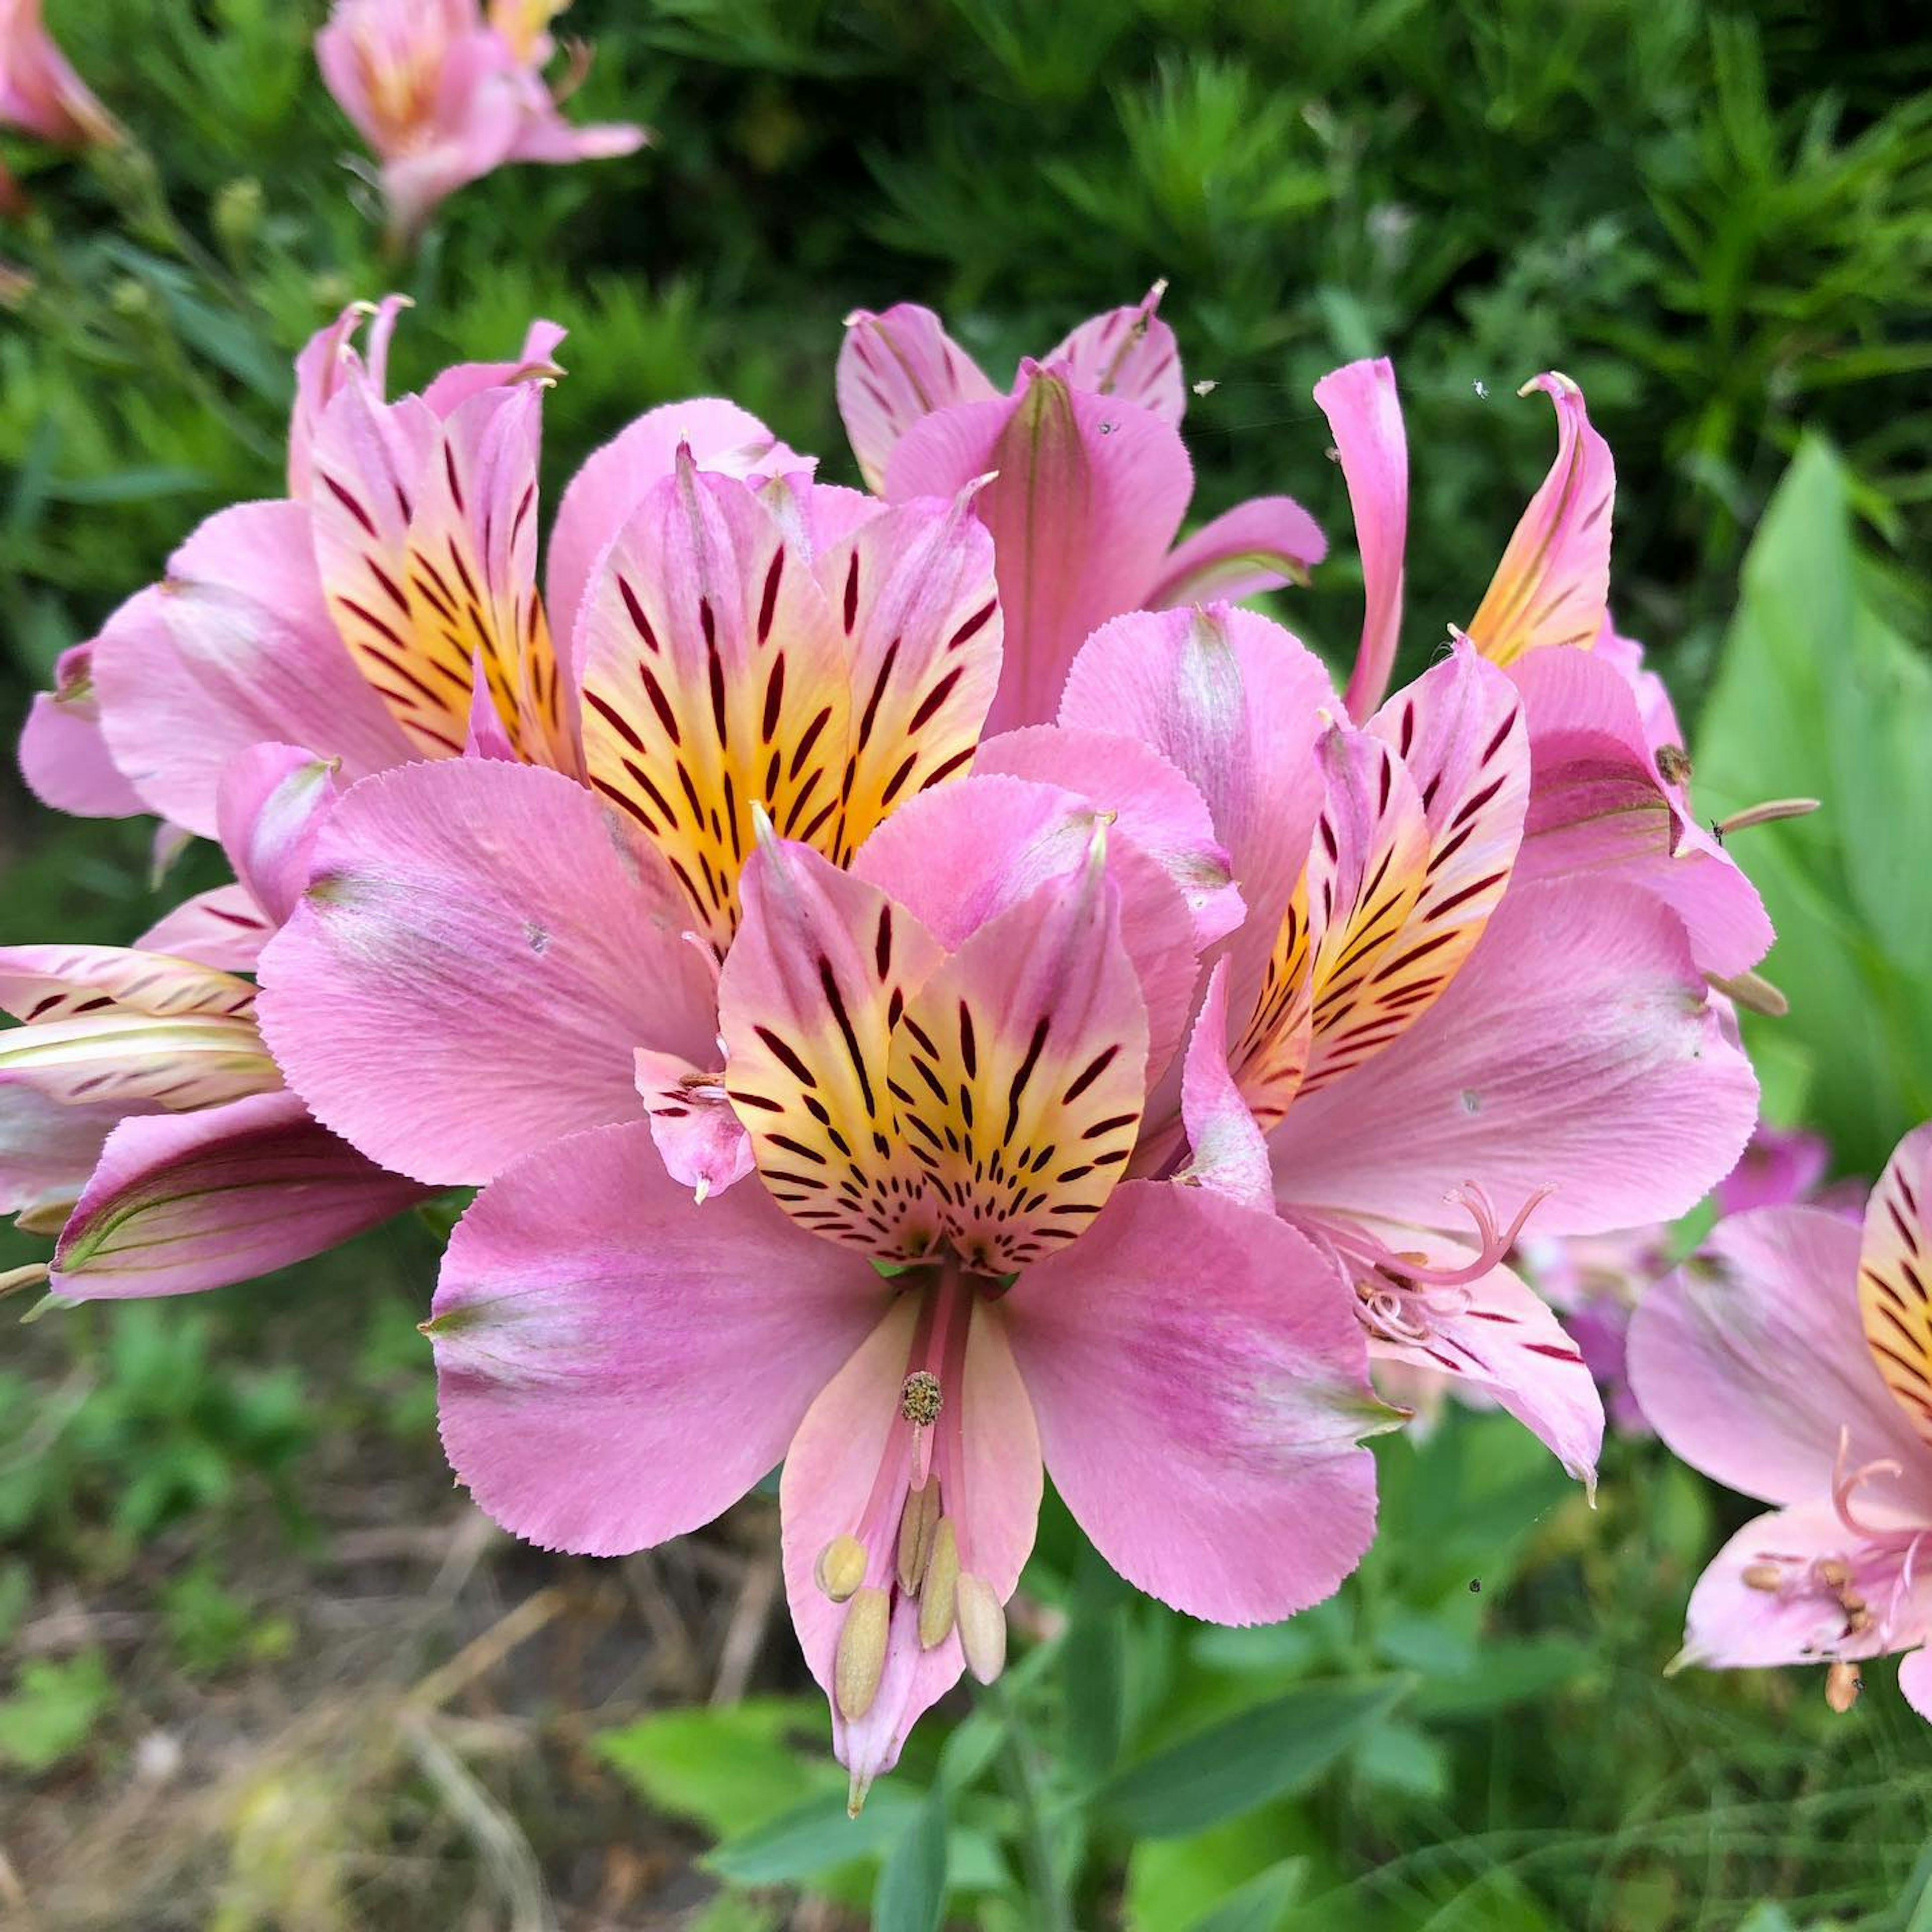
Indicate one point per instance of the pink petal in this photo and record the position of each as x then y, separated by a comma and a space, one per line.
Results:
1599, 804
1201, 1383
328, 360
1089, 493
1496, 1336
1365, 419
914, 592
1157, 807
1576, 1049
1228, 1152
991, 1489
1914, 1681
39, 91
63, 755
1129, 353
1781, 1168
598, 500
1732, 1624
235, 645
616, 1365
1234, 702
449, 389
704, 1145
271, 805
47, 1149
546, 136
1750, 1360
222, 927
1553, 584
42, 983
894, 370
454, 991
1895, 1278
1259, 545
187, 1201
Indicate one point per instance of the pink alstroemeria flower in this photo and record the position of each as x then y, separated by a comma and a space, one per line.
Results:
353, 617
443, 96
141, 1118
1090, 479
1792, 1359
40, 92
1612, 784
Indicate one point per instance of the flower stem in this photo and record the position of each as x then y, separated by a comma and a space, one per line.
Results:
1052, 1908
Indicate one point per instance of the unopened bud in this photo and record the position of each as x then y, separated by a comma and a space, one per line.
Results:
1762, 1576
983, 1626
917, 1523
861, 1659
840, 1568
1842, 1683
939, 1594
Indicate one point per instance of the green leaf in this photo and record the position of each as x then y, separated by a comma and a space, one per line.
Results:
1275, 1748
1259, 1905
730, 1770
911, 1894
816, 1836
53, 1710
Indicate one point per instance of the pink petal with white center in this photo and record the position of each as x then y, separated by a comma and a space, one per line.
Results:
615, 1365
715, 684
704, 1144
1750, 1360
852, 1452
1802, 1563
961, 855
913, 592
1576, 1049
1201, 1384
271, 805
328, 360
598, 501
183, 1202
1233, 703
823, 965
1494, 1335
894, 371
1129, 353
63, 755
451, 994
222, 927
1089, 493
1599, 804
1259, 545
1895, 1278
1228, 1153
1553, 584
1152, 804
47, 1149
235, 645
1365, 419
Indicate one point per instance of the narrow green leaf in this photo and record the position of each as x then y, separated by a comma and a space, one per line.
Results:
817, 1836
911, 1893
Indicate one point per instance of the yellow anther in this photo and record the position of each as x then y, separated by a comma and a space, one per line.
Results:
1762, 1576
860, 1661
921, 1399
939, 1596
1833, 1574
917, 1521
840, 1568
983, 1626
1842, 1683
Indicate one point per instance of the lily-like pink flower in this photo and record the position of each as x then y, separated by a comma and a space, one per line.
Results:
1792, 1360
41, 94
443, 95
1090, 479
358, 617
142, 1119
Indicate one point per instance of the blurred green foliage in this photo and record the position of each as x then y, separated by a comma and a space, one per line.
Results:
1713, 217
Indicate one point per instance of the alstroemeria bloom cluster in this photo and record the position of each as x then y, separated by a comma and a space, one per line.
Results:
444, 93
1792, 1359
920, 1017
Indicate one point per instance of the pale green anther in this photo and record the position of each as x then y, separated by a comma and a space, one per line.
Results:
917, 1521
840, 1568
938, 1596
983, 1626
860, 1661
